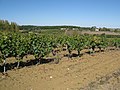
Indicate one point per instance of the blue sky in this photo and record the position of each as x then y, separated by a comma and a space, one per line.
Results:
100, 13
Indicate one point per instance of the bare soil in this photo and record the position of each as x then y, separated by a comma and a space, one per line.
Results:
100, 32
93, 32
100, 71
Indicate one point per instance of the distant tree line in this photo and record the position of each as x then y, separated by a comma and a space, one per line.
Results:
12, 26
8, 26
104, 29
31, 27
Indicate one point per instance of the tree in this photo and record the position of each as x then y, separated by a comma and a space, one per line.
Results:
14, 26
1, 24
6, 25
93, 28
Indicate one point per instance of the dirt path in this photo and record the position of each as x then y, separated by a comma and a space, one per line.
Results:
76, 74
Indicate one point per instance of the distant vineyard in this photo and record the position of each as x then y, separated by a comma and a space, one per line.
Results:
18, 45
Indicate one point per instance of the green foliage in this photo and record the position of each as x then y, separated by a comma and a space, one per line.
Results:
16, 44
6, 26
114, 42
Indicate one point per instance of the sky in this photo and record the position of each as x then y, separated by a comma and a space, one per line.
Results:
84, 13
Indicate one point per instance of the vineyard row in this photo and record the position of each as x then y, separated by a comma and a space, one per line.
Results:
18, 45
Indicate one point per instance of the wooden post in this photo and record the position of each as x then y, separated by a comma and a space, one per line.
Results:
4, 66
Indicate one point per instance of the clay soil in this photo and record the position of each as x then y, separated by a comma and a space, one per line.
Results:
100, 71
